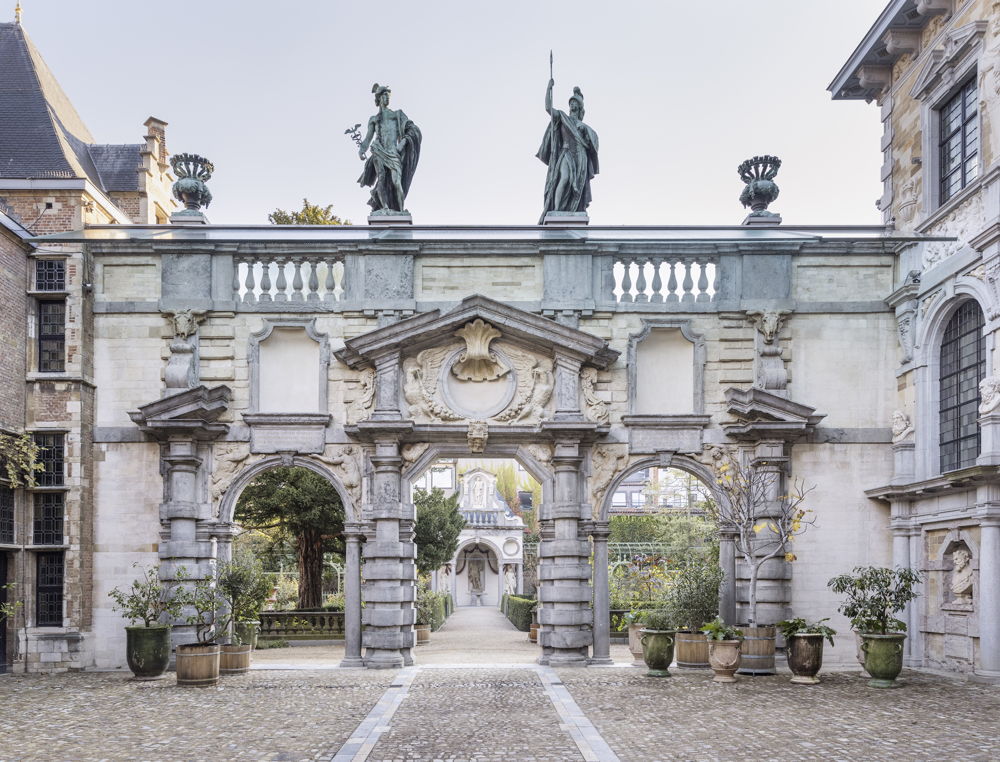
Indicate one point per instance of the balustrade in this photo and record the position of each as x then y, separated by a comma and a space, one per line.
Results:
271, 279
643, 279
301, 625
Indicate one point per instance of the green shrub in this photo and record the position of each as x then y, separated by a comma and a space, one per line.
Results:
519, 611
658, 619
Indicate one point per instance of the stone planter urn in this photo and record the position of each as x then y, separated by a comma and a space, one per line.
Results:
657, 651
724, 659
247, 632
805, 657
147, 650
883, 657
635, 644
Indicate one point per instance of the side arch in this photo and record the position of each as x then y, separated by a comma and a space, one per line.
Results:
227, 505
681, 462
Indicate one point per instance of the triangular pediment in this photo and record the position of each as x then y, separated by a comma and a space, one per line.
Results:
945, 59
763, 415
192, 412
436, 327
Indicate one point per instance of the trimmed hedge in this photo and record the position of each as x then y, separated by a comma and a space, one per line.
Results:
518, 610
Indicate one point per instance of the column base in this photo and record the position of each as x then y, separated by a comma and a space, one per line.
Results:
601, 661
354, 662
568, 660
990, 676
384, 660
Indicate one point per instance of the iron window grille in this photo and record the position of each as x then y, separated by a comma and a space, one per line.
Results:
963, 367
51, 336
51, 456
50, 508
6, 517
959, 140
49, 589
50, 275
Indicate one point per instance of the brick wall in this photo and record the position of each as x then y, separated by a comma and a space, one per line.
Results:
13, 316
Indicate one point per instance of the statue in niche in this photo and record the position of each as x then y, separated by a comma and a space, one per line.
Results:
479, 493
989, 394
902, 427
509, 579
961, 576
395, 150
476, 575
569, 148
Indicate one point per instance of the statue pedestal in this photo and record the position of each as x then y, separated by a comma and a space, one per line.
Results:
771, 219
189, 217
396, 218
566, 218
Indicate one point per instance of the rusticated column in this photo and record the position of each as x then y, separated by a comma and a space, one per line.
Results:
389, 568
564, 571
352, 596
601, 652
772, 580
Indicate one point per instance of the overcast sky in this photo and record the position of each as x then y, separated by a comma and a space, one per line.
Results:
679, 93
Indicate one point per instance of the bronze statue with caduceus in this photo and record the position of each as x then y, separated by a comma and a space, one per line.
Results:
394, 142
569, 148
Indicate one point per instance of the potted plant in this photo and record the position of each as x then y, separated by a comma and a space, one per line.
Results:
243, 587
724, 646
693, 599
197, 663
805, 647
874, 595
763, 527
634, 619
150, 602
657, 642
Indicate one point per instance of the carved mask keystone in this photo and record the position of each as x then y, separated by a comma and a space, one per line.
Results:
477, 363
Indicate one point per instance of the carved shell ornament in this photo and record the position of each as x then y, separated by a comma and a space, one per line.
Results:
477, 363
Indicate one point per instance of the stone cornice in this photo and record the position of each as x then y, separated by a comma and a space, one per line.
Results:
192, 413
762, 415
955, 481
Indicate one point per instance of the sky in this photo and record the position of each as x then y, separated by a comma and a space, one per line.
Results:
679, 94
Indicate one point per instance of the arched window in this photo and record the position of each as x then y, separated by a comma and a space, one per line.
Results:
963, 366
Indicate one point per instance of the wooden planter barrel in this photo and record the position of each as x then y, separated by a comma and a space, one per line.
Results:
758, 650
691, 650
197, 664
235, 660
533, 632
423, 634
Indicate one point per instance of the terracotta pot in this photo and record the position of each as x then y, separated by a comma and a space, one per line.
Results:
691, 650
423, 633
724, 658
883, 657
758, 650
657, 651
147, 650
635, 644
198, 664
235, 660
805, 657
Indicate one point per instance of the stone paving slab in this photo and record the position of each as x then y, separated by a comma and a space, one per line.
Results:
476, 714
687, 716
259, 716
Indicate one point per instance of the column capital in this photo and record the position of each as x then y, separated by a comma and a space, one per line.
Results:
600, 530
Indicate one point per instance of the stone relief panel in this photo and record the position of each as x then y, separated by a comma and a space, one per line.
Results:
606, 462
902, 426
594, 407
989, 394
963, 223
346, 462
421, 385
361, 406
228, 459
769, 368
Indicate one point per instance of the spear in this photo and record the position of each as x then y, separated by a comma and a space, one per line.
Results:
550, 64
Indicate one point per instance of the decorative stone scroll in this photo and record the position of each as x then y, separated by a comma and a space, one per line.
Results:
420, 385
181, 371
595, 408
477, 363
769, 371
479, 432
411, 452
540, 452
534, 387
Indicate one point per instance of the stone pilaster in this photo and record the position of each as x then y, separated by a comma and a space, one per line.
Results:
901, 529
772, 579
989, 598
601, 652
567, 388
564, 570
389, 568
387, 376
727, 560
353, 535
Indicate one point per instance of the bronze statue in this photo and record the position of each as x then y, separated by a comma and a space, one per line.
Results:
395, 150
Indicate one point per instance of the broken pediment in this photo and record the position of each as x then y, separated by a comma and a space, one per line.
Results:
945, 60
193, 412
763, 415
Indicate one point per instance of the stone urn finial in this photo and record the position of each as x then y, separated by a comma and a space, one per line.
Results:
192, 172
758, 173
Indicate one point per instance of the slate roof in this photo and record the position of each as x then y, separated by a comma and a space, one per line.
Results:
41, 134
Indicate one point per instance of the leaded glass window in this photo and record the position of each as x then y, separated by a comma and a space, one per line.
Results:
49, 590
6, 519
50, 275
51, 336
48, 523
959, 145
51, 456
963, 366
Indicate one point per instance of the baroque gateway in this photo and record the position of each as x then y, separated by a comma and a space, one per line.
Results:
194, 356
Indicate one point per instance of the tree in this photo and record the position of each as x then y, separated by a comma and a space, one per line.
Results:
764, 522
311, 214
438, 526
303, 506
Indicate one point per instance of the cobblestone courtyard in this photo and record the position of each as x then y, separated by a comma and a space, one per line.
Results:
509, 711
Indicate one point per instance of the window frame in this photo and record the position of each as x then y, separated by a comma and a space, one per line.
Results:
957, 93
41, 338
41, 590
956, 374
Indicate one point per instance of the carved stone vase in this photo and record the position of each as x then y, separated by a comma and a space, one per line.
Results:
724, 659
657, 651
635, 643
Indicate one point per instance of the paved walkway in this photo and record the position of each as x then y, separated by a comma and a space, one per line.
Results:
475, 694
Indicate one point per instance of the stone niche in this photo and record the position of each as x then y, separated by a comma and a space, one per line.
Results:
664, 370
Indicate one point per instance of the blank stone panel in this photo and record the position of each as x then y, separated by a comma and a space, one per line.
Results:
289, 372
665, 374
